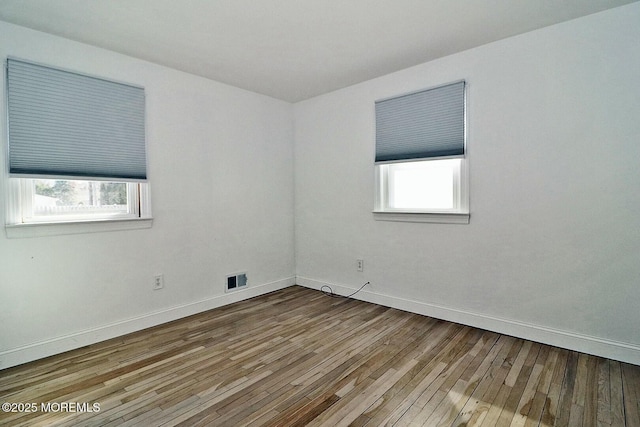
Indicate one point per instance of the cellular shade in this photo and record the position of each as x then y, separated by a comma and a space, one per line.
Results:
67, 124
421, 125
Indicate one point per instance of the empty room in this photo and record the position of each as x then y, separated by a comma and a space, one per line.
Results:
320, 213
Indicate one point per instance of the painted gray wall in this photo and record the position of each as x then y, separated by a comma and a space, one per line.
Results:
553, 244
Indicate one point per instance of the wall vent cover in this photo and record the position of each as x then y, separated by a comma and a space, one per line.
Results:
236, 281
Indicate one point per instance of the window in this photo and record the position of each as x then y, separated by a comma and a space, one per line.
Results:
76, 147
48, 200
430, 185
420, 156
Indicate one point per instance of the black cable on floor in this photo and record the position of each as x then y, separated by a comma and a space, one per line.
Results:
332, 294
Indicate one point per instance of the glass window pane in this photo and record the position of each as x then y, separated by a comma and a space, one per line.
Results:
422, 185
66, 197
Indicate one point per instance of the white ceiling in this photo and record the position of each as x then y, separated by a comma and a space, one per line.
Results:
292, 49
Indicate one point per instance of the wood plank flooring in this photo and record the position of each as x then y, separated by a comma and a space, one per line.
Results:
296, 357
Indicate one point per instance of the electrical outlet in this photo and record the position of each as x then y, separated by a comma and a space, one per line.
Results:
360, 265
158, 282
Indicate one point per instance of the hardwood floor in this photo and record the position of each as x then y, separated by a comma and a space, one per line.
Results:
297, 357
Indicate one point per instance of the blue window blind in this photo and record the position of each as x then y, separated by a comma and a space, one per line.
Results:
63, 124
421, 125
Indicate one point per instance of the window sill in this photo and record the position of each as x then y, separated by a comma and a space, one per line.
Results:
433, 217
17, 231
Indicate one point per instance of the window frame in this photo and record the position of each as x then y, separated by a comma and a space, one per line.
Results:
18, 188
459, 214
27, 214
18, 200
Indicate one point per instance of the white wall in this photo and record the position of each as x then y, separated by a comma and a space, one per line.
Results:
552, 251
221, 173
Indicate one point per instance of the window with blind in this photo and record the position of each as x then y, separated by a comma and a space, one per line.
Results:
76, 147
420, 156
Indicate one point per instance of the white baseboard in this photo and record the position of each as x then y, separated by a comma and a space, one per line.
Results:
61, 344
624, 352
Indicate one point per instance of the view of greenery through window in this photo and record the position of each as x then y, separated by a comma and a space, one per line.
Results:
59, 196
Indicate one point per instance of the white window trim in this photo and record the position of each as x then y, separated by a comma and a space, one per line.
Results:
16, 228
432, 217
459, 215
42, 229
